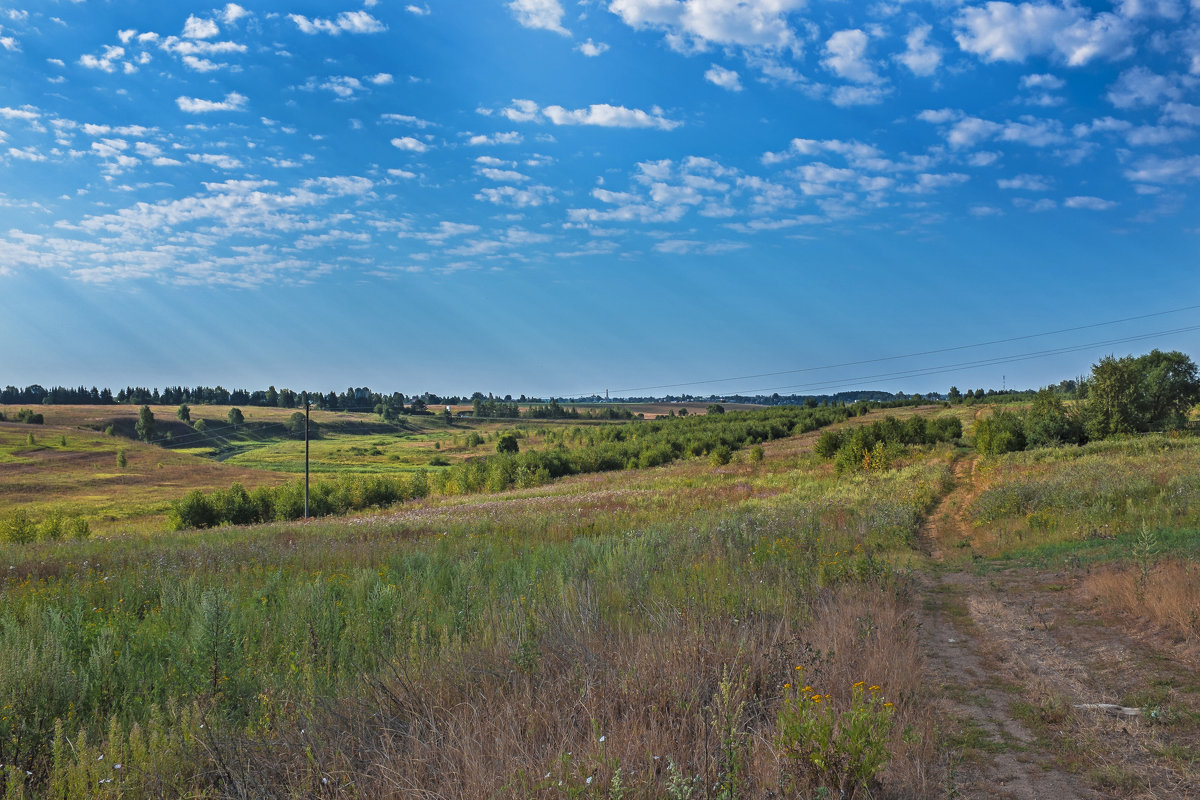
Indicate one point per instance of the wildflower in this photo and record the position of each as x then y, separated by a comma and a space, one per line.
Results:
116, 766
589, 780
602, 738
873, 688
860, 683
787, 686
816, 698
887, 705
808, 688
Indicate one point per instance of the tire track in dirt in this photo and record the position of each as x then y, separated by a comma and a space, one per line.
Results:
994, 754
1011, 652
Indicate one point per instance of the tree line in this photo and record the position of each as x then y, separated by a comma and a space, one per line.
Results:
1121, 396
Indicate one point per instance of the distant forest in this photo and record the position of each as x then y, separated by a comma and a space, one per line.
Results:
363, 399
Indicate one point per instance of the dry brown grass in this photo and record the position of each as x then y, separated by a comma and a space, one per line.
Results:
499, 722
1168, 598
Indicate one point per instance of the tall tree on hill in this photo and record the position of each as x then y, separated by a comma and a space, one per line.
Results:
1134, 395
145, 424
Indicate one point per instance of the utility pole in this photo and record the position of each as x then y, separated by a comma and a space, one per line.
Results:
306, 405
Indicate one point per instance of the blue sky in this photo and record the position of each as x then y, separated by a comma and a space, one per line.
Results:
559, 197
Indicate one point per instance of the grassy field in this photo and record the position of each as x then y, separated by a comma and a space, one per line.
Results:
640, 633
82, 478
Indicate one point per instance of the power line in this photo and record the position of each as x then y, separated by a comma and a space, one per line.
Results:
913, 355
923, 371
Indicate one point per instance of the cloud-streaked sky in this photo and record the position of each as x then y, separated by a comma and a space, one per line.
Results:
558, 197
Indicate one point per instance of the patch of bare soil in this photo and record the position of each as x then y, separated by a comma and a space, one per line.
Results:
1012, 656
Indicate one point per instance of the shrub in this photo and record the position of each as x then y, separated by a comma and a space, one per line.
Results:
29, 417
507, 443
830, 751
122, 461
1049, 423
193, 511
78, 528
19, 528
756, 453
828, 443
720, 455
1002, 432
51, 528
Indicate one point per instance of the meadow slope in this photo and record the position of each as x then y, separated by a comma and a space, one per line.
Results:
657, 632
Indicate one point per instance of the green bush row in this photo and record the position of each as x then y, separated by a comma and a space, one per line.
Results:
631, 446
19, 528
874, 447
236, 506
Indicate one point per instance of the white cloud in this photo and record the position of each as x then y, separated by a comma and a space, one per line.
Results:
544, 15
928, 183
218, 160
195, 105
1163, 9
725, 78
200, 64
1027, 183
445, 230
1139, 86
105, 62
845, 56
197, 28
610, 116
1002, 31
409, 144
232, 13
1165, 170
25, 154
921, 57
1089, 203
407, 119
509, 137
381, 78
1042, 81
1040, 88
1045, 204
520, 198
344, 86
521, 111
401, 173
347, 21
1152, 135
27, 113
420, 11
693, 247
592, 49
1184, 113
503, 175
857, 95
697, 24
